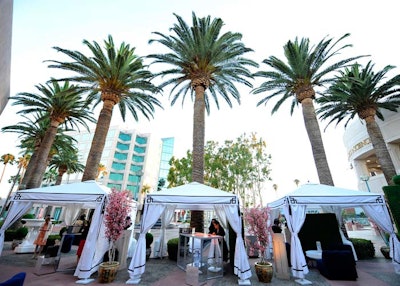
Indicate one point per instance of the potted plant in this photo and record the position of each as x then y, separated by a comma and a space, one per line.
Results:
256, 220
118, 207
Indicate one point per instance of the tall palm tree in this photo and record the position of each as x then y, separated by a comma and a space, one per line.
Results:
49, 177
64, 105
6, 159
363, 92
115, 77
202, 59
31, 133
65, 161
306, 68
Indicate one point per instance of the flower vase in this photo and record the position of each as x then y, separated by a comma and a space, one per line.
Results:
107, 271
264, 271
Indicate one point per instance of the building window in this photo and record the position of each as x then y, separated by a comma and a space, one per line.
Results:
116, 177
118, 166
115, 186
57, 213
133, 179
120, 156
138, 159
141, 140
134, 190
136, 168
122, 146
140, 150
125, 136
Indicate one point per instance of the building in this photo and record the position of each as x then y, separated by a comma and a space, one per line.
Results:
166, 155
132, 161
6, 17
361, 154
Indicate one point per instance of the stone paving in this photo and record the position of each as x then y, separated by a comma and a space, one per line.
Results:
164, 272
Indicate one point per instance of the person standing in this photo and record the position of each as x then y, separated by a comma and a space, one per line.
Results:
219, 230
43, 234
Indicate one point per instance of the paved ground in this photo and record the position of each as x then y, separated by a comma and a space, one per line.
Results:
164, 272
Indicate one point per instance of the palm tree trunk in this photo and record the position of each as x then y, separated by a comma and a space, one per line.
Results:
197, 217
42, 156
61, 172
2, 173
99, 141
317, 145
381, 150
30, 169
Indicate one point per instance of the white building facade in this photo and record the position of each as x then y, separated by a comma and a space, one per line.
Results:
131, 160
361, 154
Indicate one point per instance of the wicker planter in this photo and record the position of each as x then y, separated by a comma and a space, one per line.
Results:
264, 271
108, 271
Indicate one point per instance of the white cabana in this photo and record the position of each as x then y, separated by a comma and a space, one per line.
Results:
332, 200
193, 196
74, 197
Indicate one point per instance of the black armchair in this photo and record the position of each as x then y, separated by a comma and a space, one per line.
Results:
337, 265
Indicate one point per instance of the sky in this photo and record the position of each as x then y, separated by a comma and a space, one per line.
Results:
266, 26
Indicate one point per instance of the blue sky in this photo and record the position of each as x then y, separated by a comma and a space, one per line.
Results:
265, 25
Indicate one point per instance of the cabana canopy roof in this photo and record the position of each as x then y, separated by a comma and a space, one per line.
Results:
317, 194
192, 196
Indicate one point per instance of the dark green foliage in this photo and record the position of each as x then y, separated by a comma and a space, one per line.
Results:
21, 232
149, 239
62, 230
10, 234
363, 247
28, 216
392, 194
172, 248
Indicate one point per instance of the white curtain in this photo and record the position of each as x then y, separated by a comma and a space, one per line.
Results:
380, 215
338, 212
241, 261
162, 240
137, 266
17, 210
71, 212
95, 247
219, 210
295, 217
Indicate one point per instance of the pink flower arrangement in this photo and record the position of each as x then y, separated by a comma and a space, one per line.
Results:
118, 207
256, 220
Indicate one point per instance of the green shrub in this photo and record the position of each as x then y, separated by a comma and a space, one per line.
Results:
21, 232
51, 239
363, 247
149, 239
28, 216
392, 194
172, 248
10, 235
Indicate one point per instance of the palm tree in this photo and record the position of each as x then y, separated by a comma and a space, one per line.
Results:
6, 159
306, 68
49, 177
101, 170
66, 161
63, 104
115, 77
201, 59
361, 91
31, 133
